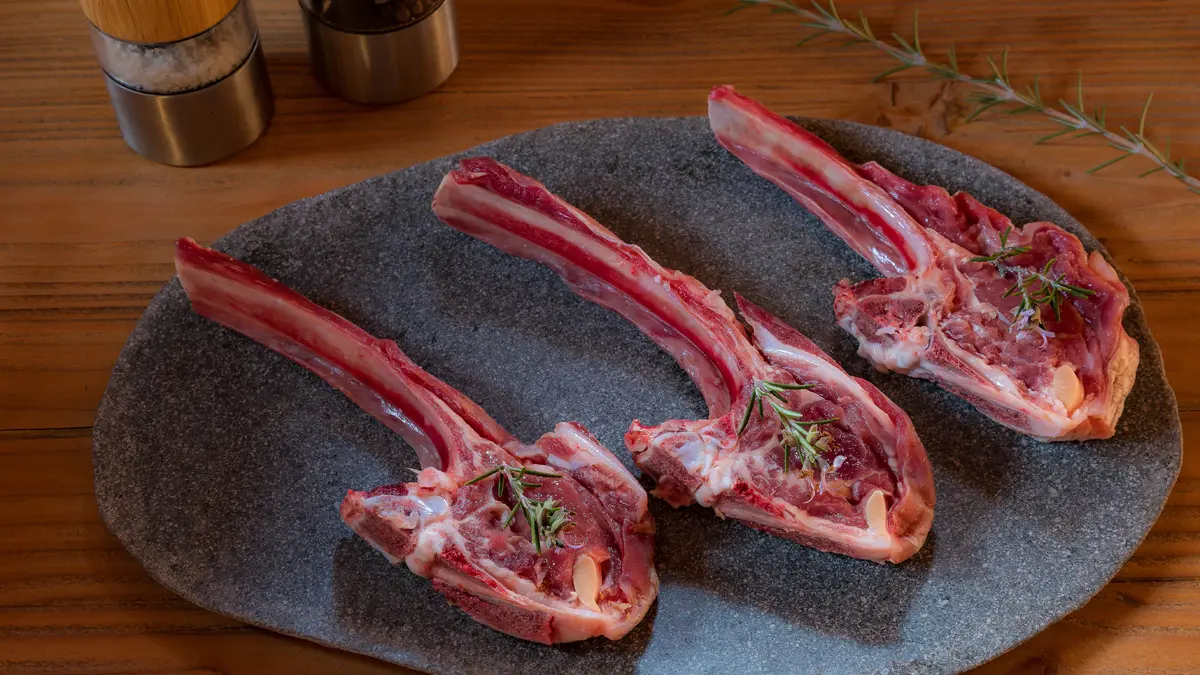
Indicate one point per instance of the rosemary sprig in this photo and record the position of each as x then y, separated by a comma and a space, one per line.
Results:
803, 437
1004, 252
546, 518
994, 90
1037, 289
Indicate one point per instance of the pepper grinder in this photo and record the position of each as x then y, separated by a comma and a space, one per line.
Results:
187, 78
381, 51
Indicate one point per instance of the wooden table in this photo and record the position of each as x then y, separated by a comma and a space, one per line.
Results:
86, 229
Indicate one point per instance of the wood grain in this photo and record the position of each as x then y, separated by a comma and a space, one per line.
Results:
154, 21
86, 228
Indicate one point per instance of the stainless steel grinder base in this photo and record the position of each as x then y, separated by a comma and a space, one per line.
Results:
383, 67
201, 126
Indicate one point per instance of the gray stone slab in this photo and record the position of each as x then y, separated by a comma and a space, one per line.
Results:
220, 464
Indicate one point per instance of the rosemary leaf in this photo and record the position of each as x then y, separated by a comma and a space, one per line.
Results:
917, 32
746, 417
1035, 92
1145, 111
833, 11
893, 71
483, 476
814, 36
995, 70
1074, 112
787, 385
981, 109
866, 26
825, 13
1129, 134
1114, 160
1153, 149
1052, 136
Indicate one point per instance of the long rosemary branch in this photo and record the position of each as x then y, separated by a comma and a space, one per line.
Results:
993, 91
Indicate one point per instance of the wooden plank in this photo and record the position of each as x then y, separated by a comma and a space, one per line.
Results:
1130, 627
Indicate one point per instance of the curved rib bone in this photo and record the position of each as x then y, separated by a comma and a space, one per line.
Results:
740, 475
444, 526
517, 215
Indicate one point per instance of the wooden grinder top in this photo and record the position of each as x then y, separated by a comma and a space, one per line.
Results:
153, 21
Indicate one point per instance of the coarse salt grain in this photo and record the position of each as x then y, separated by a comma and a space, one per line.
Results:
181, 66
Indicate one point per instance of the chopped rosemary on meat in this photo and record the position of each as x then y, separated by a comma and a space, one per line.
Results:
546, 517
1050, 290
803, 437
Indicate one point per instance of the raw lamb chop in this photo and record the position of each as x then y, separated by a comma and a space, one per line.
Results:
793, 445
584, 569
1023, 323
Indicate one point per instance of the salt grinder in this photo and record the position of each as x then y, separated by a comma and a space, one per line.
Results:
381, 51
187, 77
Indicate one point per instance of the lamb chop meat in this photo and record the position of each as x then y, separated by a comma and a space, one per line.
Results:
1023, 323
550, 542
793, 445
